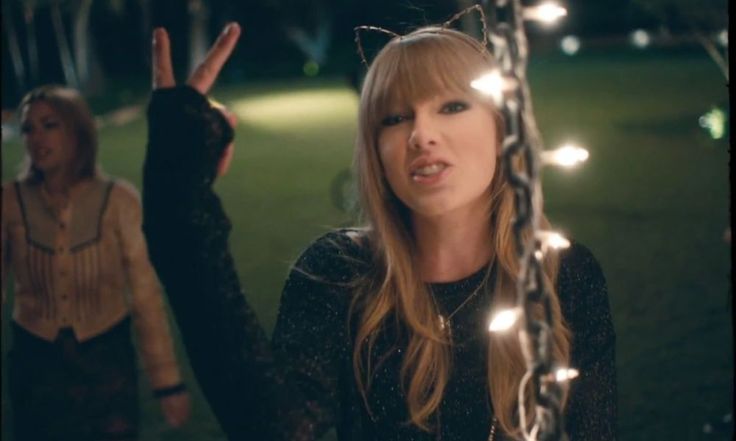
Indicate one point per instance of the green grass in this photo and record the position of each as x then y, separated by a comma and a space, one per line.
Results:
651, 202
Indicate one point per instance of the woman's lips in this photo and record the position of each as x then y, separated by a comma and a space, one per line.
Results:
40, 153
430, 173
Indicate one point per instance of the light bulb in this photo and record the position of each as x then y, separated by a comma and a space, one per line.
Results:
492, 84
547, 12
566, 156
552, 239
565, 374
504, 320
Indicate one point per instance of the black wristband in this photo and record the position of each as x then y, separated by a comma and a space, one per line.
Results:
170, 390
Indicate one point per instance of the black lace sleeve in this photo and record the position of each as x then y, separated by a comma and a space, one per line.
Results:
591, 410
254, 394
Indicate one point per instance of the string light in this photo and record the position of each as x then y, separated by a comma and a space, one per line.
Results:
509, 88
640, 38
494, 85
568, 155
565, 374
548, 12
504, 320
552, 239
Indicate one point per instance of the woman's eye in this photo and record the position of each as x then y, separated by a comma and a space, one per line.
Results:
50, 125
25, 129
454, 107
392, 120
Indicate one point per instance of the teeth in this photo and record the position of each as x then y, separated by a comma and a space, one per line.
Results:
429, 169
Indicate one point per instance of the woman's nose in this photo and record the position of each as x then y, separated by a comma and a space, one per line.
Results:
423, 133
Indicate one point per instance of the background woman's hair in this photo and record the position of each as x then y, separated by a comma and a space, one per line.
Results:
77, 121
407, 69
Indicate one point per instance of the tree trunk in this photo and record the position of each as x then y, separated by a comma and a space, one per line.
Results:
198, 41
29, 17
315, 45
82, 53
67, 63
146, 31
15, 55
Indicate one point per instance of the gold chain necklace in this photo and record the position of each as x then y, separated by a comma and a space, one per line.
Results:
446, 326
444, 321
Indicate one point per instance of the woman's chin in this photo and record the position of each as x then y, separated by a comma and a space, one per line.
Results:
45, 167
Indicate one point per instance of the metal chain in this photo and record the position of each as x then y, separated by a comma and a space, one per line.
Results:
510, 48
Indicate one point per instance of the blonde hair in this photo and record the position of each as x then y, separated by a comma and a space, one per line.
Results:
411, 68
72, 110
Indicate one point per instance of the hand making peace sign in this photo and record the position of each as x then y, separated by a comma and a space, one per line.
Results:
204, 75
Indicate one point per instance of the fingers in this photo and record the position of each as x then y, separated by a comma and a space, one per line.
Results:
206, 73
163, 73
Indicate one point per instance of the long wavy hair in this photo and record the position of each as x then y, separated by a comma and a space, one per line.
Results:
78, 122
410, 68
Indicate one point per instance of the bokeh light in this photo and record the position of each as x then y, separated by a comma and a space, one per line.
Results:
570, 44
714, 122
722, 38
640, 38
311, 68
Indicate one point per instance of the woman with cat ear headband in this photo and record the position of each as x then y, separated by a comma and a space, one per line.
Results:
382, 328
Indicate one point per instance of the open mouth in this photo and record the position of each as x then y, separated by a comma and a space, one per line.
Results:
429, 171
41, 153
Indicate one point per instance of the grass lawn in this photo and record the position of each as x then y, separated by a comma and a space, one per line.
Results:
652, 204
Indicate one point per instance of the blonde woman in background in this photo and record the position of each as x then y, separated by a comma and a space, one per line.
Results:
72, 238
382, 330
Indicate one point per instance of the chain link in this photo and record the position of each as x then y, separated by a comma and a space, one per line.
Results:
510, 48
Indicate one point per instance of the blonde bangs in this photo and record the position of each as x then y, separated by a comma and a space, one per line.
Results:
418, 66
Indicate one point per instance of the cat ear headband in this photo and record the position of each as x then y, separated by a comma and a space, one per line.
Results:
444, 25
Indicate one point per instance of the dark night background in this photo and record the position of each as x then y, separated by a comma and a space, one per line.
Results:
652, 202
120, 38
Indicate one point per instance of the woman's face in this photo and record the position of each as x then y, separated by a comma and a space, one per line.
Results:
47, 139
439, 154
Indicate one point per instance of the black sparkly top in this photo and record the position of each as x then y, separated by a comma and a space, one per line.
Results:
301, 383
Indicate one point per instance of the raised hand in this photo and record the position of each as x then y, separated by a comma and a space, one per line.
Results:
203, 77
205, 74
